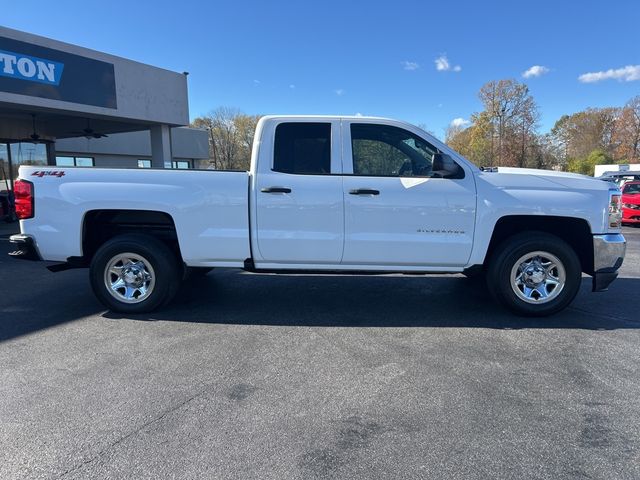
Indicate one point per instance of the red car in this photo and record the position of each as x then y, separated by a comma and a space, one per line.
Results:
631, 203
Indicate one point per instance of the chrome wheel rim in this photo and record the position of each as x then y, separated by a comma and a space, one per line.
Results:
129, 277
538, 277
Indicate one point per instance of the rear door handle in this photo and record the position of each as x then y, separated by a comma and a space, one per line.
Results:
364, 191
276, 190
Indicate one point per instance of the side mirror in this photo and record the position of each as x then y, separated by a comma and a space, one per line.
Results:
445, 167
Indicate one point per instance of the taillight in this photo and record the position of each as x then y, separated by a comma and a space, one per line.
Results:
23, 195
615, 212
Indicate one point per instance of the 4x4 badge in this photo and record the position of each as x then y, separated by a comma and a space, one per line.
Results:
48, 173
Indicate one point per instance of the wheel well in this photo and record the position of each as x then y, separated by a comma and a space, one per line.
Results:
102, 225
575, 231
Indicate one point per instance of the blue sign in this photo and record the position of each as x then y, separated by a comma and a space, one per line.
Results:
37, 71
33, 69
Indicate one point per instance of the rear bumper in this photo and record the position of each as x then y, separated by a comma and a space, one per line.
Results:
25, 248
608, 255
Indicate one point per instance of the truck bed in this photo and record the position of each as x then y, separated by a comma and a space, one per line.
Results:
206, 206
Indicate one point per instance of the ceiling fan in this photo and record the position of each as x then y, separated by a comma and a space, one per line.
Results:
34, 137
89, 132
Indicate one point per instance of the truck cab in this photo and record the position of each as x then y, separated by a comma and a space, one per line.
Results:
365, 193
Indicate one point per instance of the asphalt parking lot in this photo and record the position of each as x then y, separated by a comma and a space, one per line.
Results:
300, 377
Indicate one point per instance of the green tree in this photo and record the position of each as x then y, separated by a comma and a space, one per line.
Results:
586, 165
579, 134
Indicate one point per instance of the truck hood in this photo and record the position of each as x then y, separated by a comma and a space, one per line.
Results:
565, 179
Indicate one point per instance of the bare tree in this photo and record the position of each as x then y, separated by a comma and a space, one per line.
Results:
627, 132
506, 101
230, 137
452, 131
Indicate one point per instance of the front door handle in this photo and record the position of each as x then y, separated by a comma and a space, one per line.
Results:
276, 190
364, 191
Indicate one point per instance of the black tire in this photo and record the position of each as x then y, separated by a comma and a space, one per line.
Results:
510, 252
162, 260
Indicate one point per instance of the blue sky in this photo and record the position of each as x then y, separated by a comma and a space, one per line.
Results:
369, 57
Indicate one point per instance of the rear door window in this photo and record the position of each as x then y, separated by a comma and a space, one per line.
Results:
303, 148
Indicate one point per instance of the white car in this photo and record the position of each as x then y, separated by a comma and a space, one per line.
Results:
339, 194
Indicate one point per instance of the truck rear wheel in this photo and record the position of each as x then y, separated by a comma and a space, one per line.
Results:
534, 274
134, 274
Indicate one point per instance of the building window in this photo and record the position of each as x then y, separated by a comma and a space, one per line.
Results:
84, 161
178, 164
181, 164
25, 153
63, 161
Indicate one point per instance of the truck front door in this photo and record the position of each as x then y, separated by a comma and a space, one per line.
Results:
407, 203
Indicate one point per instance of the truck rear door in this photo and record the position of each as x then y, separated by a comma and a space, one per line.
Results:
298, 193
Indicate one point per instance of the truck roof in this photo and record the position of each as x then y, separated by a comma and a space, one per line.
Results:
330, 117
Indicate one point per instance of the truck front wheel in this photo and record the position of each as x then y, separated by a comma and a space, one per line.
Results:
534, 274
134, 274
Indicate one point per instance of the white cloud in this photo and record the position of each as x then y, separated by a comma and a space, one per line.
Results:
629, 73
257, 82
292, 86
535, 71
407, 65
459, 122
443, 65
340, 92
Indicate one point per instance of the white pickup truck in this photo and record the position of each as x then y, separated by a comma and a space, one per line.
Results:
326, 194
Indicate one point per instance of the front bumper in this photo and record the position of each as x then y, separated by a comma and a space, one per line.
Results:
25, 247
608, 254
